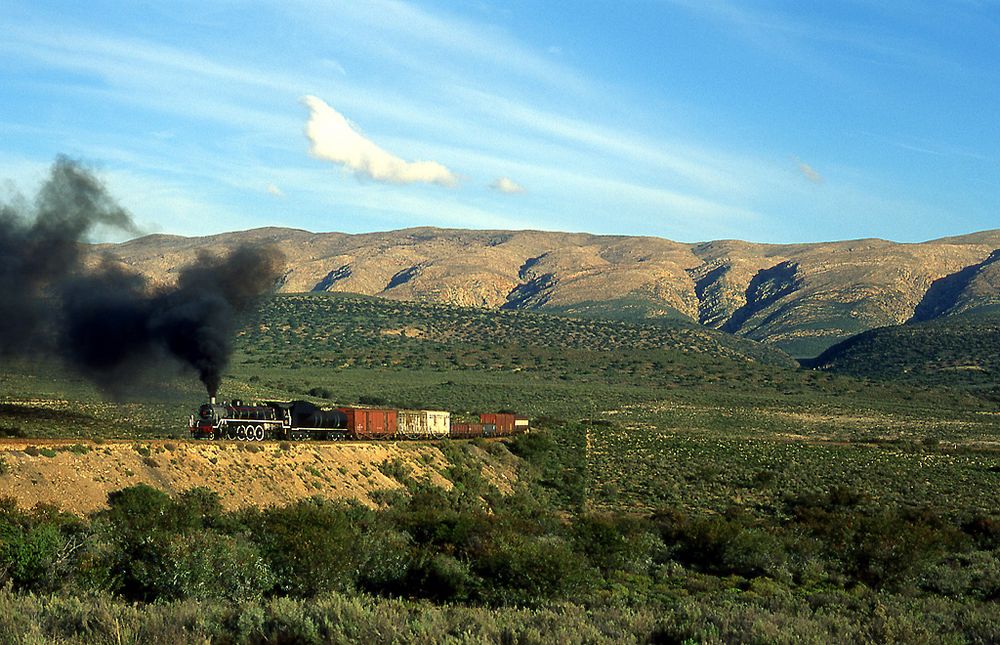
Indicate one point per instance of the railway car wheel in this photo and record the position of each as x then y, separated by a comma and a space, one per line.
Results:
258, 433
229, 433
241, 433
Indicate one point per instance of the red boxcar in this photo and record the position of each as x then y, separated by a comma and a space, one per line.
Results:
366, 423
504, 422
465, 430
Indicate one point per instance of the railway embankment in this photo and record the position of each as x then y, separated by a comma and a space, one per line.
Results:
77, 476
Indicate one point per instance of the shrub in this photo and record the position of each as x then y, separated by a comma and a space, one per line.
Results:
208, 565
975, 574
310, 546
198, 508
614, 543
440, 577
385, 559
372, 400
984, 529
886, 550
525, 570
28, 554
396, 469
728, 546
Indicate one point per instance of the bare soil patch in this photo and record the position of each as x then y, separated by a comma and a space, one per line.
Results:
77, 476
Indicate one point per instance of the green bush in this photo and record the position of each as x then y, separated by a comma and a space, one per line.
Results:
321, 392
386, 555
210, 565
615, 543
440, 577
527, 570
311, 546
886, 550
36, 547
29, 554
727, 546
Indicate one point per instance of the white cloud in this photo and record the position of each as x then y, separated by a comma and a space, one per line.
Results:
335, 139
507, 185
274, 190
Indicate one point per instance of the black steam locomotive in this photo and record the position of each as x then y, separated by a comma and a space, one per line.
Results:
295, 420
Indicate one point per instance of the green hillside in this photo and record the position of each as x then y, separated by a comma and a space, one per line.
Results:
953, 351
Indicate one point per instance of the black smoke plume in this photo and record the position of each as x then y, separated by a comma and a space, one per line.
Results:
108, 323
40, 247
116, 329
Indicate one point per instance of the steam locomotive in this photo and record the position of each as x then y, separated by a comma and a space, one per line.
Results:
302, 420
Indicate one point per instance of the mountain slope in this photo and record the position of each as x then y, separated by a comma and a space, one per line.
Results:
974, 289
802, 298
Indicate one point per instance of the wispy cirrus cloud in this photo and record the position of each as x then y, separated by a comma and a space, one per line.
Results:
817, 44
334, 138
809, 172
417, 38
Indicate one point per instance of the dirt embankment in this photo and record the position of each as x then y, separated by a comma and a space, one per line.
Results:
77, 477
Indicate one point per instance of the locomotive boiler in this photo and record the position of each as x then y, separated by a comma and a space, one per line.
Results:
295, 420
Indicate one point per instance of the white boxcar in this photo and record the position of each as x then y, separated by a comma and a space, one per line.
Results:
415, 424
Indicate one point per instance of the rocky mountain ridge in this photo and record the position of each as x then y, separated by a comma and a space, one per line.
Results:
800, 297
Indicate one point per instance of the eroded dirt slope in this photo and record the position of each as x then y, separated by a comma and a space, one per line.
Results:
77, 477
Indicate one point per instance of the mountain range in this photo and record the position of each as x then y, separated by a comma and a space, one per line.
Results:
802, 298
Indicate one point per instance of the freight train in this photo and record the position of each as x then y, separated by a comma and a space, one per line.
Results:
301, 420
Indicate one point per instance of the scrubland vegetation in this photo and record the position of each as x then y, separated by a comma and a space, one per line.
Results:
677, 487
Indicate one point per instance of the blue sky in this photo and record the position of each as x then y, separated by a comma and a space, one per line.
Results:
685, 119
